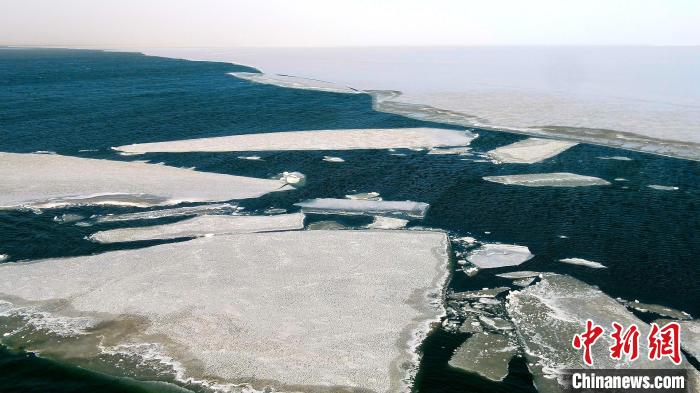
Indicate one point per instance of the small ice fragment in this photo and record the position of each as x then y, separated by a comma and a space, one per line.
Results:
381, 222
518, 275
487, 292
465, 239
495, 255
583, 262
296, 179
663, 188
67, 218
620, 179
4, 257
251, 158
400, 209
332, 159
617, 158
365, 196
562, 179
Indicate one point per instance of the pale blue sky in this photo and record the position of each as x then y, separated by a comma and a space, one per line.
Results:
220, 23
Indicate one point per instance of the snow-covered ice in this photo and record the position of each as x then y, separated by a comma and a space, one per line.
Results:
562, 179
583, 262
495, 255
530, 151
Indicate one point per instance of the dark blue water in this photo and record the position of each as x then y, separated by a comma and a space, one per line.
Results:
68, 100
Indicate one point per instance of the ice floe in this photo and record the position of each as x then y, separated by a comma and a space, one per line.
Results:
662, 311
264, 307
365, 196
349, 139
583, 262
211, 209
294, 82
495, 255
450, 151
203, 226
519, 275
530, 151
38, 180
616, 158
332, 159
296, 179
397, 209
563, 179
250, 158
67, 218
485, 354
548, 314
4, 257
663, 188
381, 222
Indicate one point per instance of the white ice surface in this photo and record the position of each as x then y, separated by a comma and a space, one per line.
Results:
203, 226
562, 179
530, 151
407, 209
319, 309
42, 180
294, 82
347, 139
485, 354
583, 262
495, 255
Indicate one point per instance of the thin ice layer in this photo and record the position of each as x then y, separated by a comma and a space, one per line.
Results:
548, 314
294, 82
279, 308
203, 226
485, 354
350, 139
495, 255
401, 209
220, 208
43, 180
530, 151
562, 179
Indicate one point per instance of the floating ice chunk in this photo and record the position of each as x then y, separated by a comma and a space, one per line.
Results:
663, 188
518, 275
381, 222
4, 257
61, 180
617, 158
657, 309
548, 314
583, 262
294, 82
483, 293
620, 179
350, 139
67, 218
221, 208
401, 209
365, 196
495, 255
450, 150
296, 179
465, 239
530, 151
524, 282
262, 307
203, 226
485, 354
332, 159
562, 179
250, 158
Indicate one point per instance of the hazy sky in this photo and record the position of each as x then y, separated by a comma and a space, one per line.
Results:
220, 23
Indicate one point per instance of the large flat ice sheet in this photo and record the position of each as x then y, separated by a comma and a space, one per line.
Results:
55, 180
294, 82
349, 139
203, 226
562, 179
314, 309
548, 314
406, 209
530, 151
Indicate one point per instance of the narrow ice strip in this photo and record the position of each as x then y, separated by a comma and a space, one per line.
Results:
562, 179
583, 262
203, 226
294, 82
39, 180
519, 275
485, 354
220, 208
548, 314
349, 139
494, 255
397, 209
530, 151
663, 188
616, 158
279, 309
657, 309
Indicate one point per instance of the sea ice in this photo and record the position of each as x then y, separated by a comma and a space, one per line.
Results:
203, 226
583, 262
482, 293
530, 151
39, 180
548, 314
663, 188
397, 209
519, 275
365, 196
211, 209
278, 309
381, 222
563, 179
4, 257
450, 150
332, 159
294, 82
657, 309
494, 255
349, 139
485, 354
617, 158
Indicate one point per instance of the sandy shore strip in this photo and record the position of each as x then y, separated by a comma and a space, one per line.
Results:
40, 180
203, 226
294, 82
396, 209
559, 179
548, 314
349, 139
277, 309
530, 151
